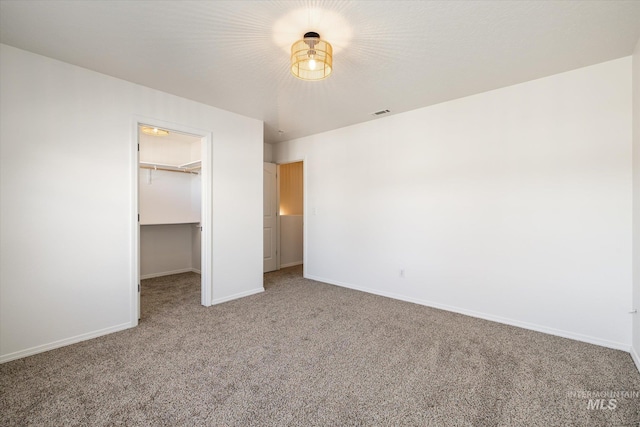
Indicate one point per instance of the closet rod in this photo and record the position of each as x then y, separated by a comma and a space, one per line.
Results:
167, 169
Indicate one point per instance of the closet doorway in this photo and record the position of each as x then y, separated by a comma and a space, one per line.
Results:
173, 204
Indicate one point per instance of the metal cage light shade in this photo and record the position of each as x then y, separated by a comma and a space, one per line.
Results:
311, 58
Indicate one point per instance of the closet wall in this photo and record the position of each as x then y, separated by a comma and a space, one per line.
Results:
291, 214
170, 199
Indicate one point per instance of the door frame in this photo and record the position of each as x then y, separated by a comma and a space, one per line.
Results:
206, 219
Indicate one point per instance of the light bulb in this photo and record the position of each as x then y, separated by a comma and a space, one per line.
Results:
312, 64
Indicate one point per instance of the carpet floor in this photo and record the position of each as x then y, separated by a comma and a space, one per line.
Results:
305, 353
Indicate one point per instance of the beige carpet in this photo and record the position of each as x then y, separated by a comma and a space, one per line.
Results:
305, 353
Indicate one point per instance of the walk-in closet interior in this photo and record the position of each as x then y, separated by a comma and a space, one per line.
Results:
169, 202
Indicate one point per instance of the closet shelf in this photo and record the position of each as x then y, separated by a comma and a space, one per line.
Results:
196, 164
193, 222
191, 167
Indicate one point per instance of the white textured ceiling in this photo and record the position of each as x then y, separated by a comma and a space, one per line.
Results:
397, 55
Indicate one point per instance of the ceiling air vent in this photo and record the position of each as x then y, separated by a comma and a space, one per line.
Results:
381, 112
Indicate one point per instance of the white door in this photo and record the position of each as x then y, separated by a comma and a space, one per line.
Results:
270, 218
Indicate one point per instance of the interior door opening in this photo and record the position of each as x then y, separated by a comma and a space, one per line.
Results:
172, 197
290, 214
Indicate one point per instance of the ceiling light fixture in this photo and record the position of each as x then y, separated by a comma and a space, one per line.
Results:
154, 131
311, 58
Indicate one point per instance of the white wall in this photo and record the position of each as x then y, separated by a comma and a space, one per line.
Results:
512, 205
167, 197
636, 205
174, 149
196, 249
167, 249
268, 153
66, 199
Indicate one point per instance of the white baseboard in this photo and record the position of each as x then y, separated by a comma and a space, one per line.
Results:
290, 264
236, 296
485, 316
635, 357
61, 343
169, 273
